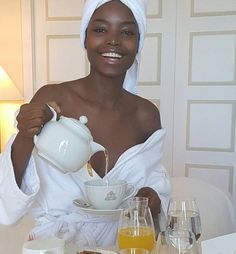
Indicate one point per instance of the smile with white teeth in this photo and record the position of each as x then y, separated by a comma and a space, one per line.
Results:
112, 55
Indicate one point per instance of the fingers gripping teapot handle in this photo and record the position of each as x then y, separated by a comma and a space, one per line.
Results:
53, 119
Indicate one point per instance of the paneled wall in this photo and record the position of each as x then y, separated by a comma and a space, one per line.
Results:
205, 92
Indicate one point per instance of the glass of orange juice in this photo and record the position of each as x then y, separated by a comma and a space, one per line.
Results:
136, 228
133, 251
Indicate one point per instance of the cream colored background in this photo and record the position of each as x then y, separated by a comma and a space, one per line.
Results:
11, 40
11, 61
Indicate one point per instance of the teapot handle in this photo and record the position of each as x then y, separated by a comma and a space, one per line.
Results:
54, 118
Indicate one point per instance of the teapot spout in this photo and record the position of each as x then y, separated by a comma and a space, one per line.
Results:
96, 147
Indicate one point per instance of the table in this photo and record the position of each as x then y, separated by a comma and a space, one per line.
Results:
73, 249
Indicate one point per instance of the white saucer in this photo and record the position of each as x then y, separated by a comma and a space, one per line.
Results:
92, 210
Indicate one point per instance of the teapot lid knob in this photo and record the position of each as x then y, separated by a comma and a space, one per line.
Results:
83, 119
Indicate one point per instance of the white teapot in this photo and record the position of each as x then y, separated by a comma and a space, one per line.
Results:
67, 143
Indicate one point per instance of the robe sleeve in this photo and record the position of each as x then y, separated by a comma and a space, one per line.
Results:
14, 201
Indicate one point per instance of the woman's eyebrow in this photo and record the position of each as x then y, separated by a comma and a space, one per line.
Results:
99, 20
129, 23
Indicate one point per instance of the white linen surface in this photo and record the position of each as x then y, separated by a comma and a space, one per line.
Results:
47, 194
225, 244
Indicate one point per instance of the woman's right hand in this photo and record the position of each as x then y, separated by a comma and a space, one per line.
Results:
32, 117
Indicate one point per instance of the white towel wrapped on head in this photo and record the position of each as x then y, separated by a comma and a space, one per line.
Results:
139, 9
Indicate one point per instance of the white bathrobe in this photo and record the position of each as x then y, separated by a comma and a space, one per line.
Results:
47, 194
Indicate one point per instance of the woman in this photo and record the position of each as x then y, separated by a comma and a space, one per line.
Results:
127, 125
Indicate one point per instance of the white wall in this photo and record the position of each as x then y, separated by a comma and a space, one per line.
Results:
11, 41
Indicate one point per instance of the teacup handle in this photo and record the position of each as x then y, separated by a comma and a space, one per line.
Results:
131, 191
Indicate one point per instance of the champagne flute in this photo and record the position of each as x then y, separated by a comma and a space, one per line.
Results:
183, 213
136, 227
176, 242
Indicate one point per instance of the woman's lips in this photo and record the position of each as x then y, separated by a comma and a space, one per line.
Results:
112, 55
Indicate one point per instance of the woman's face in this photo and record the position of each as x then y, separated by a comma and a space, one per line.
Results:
112, 39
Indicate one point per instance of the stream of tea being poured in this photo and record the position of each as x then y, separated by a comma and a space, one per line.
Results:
106, 164
106, 161
90, 168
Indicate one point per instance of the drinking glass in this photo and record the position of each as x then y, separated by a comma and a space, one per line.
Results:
136, 228
183, 213
176, 242
133, 251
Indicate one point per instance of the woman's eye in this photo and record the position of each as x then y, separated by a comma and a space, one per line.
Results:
127, 32
100, 30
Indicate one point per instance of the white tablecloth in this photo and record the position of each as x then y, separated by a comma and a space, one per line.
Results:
73, 249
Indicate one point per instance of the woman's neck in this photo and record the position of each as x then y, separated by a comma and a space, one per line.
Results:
106, 90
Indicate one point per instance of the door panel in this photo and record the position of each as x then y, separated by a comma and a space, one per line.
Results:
205, 93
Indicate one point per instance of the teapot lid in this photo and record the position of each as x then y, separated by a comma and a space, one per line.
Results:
83, 119
81, 123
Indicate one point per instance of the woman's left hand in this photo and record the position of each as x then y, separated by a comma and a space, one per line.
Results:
154, 200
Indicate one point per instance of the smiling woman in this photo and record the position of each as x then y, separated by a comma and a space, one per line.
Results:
112, 40
139, 9
113, 35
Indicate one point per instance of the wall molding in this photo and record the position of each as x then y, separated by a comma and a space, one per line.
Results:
211, 13
230, 169
233, 124
208, 83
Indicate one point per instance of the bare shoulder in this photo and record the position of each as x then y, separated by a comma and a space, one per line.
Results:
148, 116
54, 92
46, 93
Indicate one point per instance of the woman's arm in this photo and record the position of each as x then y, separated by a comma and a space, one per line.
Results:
31, 118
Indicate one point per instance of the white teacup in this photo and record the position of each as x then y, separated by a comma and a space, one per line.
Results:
106, 195
44, 246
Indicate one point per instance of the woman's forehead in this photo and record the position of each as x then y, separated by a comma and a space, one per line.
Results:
114, 10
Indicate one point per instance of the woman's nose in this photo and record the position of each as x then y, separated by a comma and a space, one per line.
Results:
113, 41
